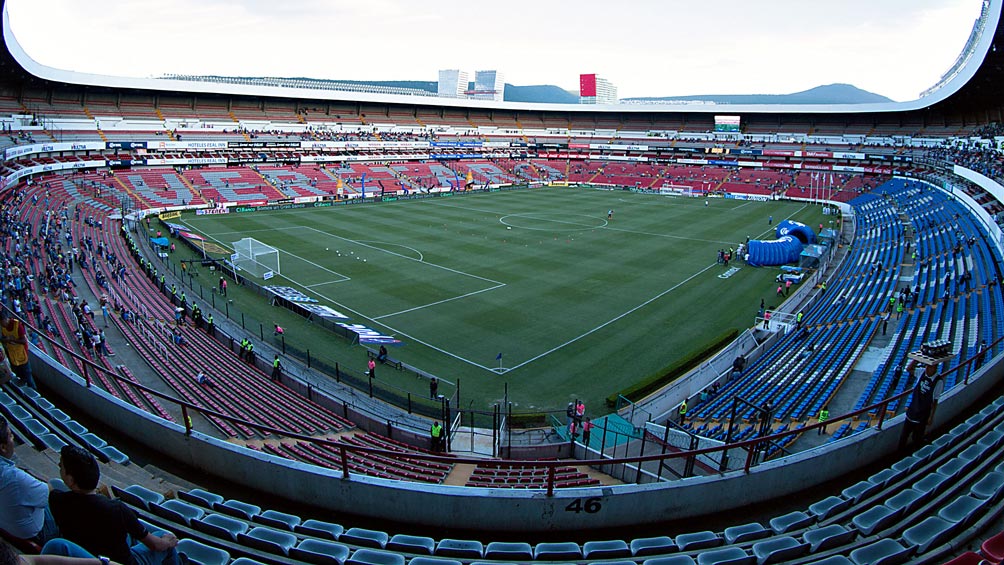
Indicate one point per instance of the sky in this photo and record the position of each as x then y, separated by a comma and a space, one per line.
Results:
896, 48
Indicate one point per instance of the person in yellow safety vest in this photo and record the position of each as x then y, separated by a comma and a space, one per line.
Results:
437, 435
683, 411
250, 352
824, 415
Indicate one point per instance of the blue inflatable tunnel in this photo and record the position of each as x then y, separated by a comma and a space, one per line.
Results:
787, 248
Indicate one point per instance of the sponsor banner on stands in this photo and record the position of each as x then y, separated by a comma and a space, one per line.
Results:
263, 207
723, 163
195, 161
260, 144
618, 147
456, 144
169, 215
747, 151
684, 149
780, 153
845, 155
12, 152
186, 145
367, 335
821, 154
290, 294
751, 197
212, 211
878, 170
124, 162
692, 161
324, 311
783, 165
126, 145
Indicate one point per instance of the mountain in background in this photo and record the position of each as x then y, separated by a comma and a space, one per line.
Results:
827, 94
551, 94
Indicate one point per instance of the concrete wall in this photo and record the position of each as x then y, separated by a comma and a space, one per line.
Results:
497, 509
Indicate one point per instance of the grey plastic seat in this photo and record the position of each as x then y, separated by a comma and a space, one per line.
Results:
268, 539
906, 464
671, 560
279, 520
58, 415
221, 526
931, 483
93, 440
320, 552
6, 400
19, 413
989, 487
991, 440
973, 453
954, 467
605, 549
366, 538
829, 506
367, 556
698, 540
200, 497
833, 535
875, 519
419, 544
745, 532
557, 551
202, 554
791, 521
883, 477
731, 555
653, 546
886, 551
422, 560
963, 510
136, 495
860, 491
76, 427
511, 550
51, 441
238, 509
930, 532
834, 560
114, 455
778, 549
319, 529
461, 548
905, 500
177, 511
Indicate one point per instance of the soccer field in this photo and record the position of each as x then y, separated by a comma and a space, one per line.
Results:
579, 305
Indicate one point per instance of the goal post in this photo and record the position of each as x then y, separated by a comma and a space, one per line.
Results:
255, 257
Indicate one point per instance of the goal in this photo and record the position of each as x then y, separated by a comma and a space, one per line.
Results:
255, 257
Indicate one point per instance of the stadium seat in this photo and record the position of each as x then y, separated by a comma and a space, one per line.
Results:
268, 539
875, 519
653, 546
698, 540
778, 549
992, 548
931, 483
275, 519
319, 529
989, 487
823, 538
220, 526
931, 531
745, 532
906, 464
671, 560
883, 552
829, 506
883, 477
963, 510
374, 557
605, 549
905, 500
834, 560
557, 551
731, 555
366, 538
464, 549
114, 455
202, 554
506, 550
320, 552
177, 511
245, 561
860, 491
967, 558
433, 561
136, 495
238, 509
420, 545
790, 522
200, 497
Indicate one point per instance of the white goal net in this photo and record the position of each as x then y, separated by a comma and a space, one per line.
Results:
256, 258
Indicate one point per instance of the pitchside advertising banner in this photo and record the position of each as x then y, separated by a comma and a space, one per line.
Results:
12, 152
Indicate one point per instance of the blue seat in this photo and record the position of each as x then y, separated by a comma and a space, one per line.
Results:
114, 455
245, 561
320, 552
557, 551
989, 487
421, 560
653, 546
826, 537
416, 544
200, 497
906, 464
76, 427
366, 538
829, 506
319, 529
238, 509
139, 496
745, 532
834, 560
508, 550
470, 549
778, 549
177, 511
789, 522
905, 500
698, 540
93, 440
201, 554
279, 520
930, 532
883, 552
883, 477
268, 539
221, 526
963, 510
367, 556
605, 549
671, 560
930, 484
860, 490
731, 555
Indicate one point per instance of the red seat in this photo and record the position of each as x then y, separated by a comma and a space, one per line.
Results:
967, 558
993, 548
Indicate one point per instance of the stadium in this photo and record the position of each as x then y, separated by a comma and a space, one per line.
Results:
350, 267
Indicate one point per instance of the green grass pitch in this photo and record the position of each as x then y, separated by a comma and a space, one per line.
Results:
579, 305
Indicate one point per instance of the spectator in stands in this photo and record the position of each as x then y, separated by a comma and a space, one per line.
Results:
922, 401
276, 369
382, 354
15, 341
587, 428
204, 379
981, 354
436, 436
92, 525
682, 411
824, 415
176, 336
10, 556
24, 509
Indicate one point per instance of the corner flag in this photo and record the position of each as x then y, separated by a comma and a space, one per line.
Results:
498, 357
